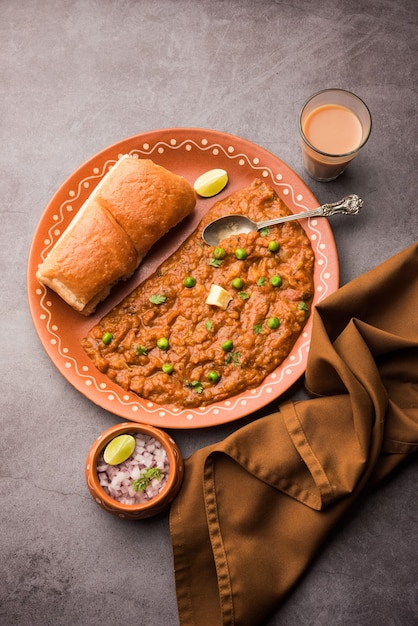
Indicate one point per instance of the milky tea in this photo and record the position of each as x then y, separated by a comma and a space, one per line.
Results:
334, 125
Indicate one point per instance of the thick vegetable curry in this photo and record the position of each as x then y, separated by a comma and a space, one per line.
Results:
168, 345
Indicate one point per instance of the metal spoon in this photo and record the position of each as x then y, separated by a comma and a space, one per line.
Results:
229, 225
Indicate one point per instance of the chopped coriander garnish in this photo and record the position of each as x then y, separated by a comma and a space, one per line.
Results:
264, 231
302, 306
258, 328
243, 295
157, 298
145, 479
261, 281
234, 357
140, 350
215, 262
208, 325
196, 386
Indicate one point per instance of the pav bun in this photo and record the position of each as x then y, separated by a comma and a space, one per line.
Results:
132, 207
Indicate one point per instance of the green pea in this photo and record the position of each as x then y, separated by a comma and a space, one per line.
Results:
219, 253
274, 246
167, 368
237, 283
276, 281
273, 322
227, 345
189, 282
162, 343
213, 376
241, 254
107, 338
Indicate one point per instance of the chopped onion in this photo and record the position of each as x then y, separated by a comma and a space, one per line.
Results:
118, 480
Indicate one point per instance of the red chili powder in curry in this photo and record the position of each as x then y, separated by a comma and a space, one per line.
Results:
170, 347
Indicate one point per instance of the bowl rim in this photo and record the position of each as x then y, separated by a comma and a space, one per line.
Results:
174, 458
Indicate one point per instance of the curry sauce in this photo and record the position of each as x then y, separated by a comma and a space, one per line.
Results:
166, 344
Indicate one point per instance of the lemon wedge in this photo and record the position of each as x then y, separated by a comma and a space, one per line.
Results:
211, 183
119, 449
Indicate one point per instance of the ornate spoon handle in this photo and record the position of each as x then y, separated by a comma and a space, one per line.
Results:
350, 205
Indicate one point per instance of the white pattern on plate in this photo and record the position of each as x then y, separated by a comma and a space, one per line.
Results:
187, 145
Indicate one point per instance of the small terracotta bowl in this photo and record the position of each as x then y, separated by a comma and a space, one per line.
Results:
156, 504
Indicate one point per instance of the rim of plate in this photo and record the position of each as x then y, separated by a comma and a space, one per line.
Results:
185, 150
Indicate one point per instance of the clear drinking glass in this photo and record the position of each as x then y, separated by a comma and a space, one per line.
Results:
334, 125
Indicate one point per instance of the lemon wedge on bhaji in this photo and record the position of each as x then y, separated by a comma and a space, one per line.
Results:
211, 183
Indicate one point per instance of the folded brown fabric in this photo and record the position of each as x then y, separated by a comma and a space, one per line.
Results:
254, 509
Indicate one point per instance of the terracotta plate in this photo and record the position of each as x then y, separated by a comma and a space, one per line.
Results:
189, 152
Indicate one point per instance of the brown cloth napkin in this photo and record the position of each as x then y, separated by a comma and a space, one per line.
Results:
255, 508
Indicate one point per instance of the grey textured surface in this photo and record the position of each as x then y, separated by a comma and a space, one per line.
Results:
77, 76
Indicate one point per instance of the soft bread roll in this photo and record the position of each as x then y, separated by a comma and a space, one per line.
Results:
93, 253
146, 199
134, 205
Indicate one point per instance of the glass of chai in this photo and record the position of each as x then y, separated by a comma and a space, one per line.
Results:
334, 124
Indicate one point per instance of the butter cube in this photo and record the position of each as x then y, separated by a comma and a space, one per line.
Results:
218, 296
